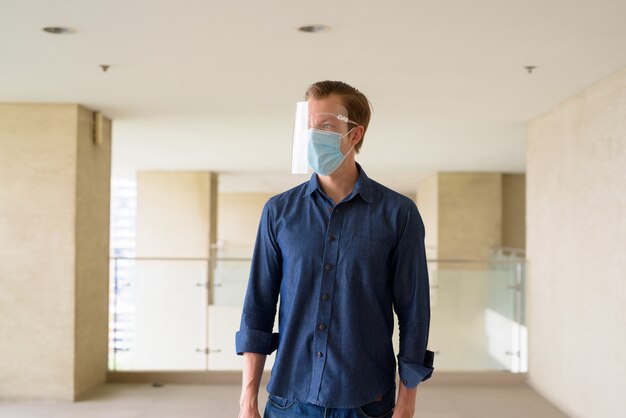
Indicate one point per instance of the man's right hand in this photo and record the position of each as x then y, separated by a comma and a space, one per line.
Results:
252, 371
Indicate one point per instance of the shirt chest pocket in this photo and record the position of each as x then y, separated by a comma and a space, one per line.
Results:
372, 252
377, 236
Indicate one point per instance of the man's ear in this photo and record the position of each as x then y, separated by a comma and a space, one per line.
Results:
357, 135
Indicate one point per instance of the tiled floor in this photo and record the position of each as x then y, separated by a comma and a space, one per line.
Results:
120, 400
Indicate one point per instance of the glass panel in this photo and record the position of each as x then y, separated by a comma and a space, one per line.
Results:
160, 317
476, 315
158, 314
231, 279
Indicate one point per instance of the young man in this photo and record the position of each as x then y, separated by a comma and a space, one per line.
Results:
343, 252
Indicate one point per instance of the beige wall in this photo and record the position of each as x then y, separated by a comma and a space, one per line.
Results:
93, 191
577, 251
466, 215
54, 218
470, 215
173, 213
427, 200
514, 211
238, 221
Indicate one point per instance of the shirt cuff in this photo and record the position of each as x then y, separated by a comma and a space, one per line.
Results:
255, 341
413, 373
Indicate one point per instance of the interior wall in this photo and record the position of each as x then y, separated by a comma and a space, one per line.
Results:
54, 205
93, 191
470, 215
238, 221
514, 211
427, 200
576, 250
37, 184
173, 213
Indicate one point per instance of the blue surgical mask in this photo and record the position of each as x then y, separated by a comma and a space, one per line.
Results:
324, 153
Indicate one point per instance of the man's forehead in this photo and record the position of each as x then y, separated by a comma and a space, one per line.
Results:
330, 104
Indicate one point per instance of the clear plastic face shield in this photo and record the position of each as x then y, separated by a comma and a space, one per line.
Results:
326, 117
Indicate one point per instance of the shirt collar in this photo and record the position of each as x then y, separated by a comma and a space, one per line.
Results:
363, 186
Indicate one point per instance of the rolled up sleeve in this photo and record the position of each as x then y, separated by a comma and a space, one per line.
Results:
259, 311
255, 341
412, 374
411, 301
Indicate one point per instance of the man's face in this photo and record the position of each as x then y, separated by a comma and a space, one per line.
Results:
323, 116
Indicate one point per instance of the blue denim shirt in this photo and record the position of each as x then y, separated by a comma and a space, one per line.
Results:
340, 272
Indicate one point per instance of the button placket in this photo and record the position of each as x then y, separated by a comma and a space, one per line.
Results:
323, 320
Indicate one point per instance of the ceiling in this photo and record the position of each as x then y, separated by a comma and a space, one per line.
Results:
207, 85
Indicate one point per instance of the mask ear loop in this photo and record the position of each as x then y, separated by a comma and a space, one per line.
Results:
352, 147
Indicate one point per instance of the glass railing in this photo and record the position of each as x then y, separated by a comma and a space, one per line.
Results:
170, 314
477, 317
158, 316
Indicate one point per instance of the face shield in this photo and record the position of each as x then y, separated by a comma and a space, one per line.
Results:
329, 117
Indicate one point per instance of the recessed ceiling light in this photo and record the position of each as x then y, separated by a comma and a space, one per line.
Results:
58, 30
530, 68
313, 28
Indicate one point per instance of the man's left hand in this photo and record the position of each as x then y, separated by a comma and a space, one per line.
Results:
400, 412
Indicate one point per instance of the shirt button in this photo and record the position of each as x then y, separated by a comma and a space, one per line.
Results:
331, 238
324, 296
405, 382
328, 267
321, 327
318, 354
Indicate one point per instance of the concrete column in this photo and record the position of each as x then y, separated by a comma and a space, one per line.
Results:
468, 214
514, 211
212, 232
54, 251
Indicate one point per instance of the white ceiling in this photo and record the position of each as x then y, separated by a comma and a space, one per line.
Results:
212, 85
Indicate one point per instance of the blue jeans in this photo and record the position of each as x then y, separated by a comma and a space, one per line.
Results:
278, 407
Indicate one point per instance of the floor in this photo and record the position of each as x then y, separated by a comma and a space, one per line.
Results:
123, 400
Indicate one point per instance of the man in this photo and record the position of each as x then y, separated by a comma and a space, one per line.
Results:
343, 252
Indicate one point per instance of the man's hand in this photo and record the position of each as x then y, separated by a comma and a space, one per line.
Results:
405, 405
402, 412
249, 410
251, 378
